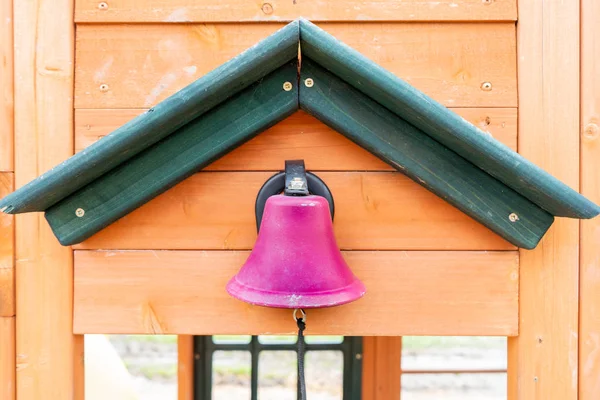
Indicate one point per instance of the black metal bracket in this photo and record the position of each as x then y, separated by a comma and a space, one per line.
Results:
294, 181
295, 178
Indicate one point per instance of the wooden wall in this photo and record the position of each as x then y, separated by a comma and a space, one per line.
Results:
85, 67
7, 242
122, 69
176, 253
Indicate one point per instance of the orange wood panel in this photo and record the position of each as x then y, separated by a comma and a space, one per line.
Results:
7, 358
79, 367
299, 136
183, 292
589, 278
373, 211
185, 367
543, 360
368, 368
6, 86
283, 10
136, 66
7, 248
381, 367
46, 347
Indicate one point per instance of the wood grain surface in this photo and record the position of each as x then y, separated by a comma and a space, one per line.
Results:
44, 57
298, 136
378, 210
8, 359
7, 250
589, 274
143, 64
173, 11
6, 86
408, 293
542, 360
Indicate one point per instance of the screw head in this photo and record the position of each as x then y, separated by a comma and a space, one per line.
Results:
358, 356
486, 86
267, 8
488, 1
513, 217
104, 87
287, 86
308, 82
80, 212
103, 5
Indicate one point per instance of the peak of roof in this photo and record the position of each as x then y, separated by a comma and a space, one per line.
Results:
243, 97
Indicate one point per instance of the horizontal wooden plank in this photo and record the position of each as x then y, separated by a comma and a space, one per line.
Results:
7, 248
136, 66
299, 136
374, 211
408, 293
285, 10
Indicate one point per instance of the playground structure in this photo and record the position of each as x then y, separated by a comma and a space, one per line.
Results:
82, 70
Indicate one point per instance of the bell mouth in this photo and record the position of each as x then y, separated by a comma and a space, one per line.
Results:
318, 299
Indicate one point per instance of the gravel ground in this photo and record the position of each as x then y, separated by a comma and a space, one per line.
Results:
153, 367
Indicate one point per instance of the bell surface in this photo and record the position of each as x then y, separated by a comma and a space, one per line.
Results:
296, 262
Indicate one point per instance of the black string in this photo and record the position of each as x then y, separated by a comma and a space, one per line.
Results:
301, 382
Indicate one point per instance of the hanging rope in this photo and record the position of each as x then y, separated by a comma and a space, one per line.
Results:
301, 322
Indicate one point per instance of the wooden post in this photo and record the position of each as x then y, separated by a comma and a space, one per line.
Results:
381, 367
185, 367
6, 85
7, 247
542, 360
7, 282
7, 358
589, 302
7, 296
46, 347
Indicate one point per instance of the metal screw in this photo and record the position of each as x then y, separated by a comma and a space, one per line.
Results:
287, 86
197, 356
513, 217
104, 87
308, 82
358, 356
486, 86
488, 1
267, 8
80, 212
103, 5
535, 378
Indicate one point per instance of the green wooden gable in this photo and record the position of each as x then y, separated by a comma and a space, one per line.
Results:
262, 86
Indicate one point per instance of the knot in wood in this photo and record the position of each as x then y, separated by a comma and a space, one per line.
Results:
267, 8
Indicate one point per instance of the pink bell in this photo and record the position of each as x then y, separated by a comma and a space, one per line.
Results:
296, 262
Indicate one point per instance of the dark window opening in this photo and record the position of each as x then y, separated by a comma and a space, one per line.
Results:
264, 367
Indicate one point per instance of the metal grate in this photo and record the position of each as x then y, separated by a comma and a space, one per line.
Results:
205, 347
